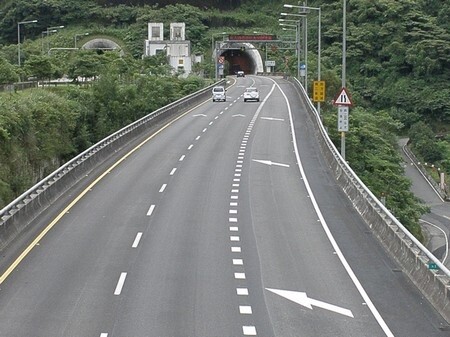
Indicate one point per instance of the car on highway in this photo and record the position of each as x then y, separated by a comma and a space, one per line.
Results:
219, 93
251, 94
240, 73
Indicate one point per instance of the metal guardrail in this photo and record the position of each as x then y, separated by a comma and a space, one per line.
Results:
15, 216
367, 192
409, 252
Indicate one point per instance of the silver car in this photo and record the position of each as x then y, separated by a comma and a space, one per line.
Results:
219, 93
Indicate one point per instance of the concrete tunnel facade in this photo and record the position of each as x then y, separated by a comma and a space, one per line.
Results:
243, 56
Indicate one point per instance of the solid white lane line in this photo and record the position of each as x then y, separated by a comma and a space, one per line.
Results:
163, 187
182, 157
137, 239
150, 210
173, 171
242, 291
249, 330
120, 283
245, 309
330, 236
235, 249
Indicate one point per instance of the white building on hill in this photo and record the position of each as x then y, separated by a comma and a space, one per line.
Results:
177, 49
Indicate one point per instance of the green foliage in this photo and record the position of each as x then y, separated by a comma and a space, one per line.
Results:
7, 72
372, 153
39, 67
424, 142
29, 124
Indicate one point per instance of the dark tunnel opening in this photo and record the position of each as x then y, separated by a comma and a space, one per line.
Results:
236, 60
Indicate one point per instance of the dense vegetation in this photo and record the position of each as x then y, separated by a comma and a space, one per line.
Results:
398, 70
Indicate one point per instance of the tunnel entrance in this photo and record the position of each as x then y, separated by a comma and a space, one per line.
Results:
242, 56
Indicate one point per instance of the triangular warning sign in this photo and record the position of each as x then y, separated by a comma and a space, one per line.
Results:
343, 98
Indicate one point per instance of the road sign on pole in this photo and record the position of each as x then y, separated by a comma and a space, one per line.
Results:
343, 98
343, 118
319, 91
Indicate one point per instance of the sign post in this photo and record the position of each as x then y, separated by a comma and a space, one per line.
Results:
343, 102
318, 93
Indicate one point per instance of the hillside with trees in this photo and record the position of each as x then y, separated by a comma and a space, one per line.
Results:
398, 70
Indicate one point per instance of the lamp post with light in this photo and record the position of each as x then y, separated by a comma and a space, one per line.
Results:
214, 51
319, 38
75, 38
18, 37
52, 30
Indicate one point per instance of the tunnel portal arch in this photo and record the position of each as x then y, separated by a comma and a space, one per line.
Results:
103, 44
241, 56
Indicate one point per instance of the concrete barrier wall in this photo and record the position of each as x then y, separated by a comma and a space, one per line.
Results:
16, 217
410, 254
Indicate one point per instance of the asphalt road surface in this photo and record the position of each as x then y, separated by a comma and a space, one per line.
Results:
227, 222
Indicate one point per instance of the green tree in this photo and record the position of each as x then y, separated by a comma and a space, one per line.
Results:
7, 72
39, 66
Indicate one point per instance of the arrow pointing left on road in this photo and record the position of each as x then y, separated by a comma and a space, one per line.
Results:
302, 299
270, 163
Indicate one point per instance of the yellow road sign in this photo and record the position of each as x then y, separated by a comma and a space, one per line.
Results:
319, 91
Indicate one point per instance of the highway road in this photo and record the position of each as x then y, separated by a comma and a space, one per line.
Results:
226, 222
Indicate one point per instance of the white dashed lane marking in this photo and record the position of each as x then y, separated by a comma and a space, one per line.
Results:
137, 240
120, 283
150, 210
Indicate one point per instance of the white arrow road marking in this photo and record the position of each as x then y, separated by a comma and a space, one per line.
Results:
199, 115
238, 115
273, 119
302, 299
270, 163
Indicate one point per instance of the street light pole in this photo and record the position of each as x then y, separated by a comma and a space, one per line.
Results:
319, 46
18, 37
305, 49
344, 47
51, 30
76, 37
214, 52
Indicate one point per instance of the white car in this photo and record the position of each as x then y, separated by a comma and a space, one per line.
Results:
251, 94
219, 93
